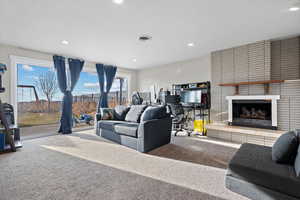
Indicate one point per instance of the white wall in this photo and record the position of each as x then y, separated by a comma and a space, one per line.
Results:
7, 50
196, 70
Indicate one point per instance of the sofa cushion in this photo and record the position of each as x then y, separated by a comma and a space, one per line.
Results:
154, 112
120, 112
254, 164
109, 124
135, 112
285, 148
128, 129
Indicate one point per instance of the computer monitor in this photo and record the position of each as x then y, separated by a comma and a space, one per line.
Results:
190, 96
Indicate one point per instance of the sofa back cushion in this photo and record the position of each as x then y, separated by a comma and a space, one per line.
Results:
134, 113
285, 148
154, 112
120, 112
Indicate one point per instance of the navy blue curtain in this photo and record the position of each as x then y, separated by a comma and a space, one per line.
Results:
106, 75
75, 67
110, 73
100, 72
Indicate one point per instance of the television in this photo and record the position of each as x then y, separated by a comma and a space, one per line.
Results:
190, 96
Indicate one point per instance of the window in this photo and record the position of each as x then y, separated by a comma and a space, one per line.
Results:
38, 97
38, 112
86, 94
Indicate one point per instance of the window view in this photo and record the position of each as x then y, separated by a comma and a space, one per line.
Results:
39, 98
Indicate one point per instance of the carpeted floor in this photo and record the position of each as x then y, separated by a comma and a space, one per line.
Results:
83, 166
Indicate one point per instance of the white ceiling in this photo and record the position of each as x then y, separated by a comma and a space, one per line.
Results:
101, 31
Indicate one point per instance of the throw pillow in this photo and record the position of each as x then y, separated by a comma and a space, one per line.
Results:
134, 113
107, 113
285, 148
120, 112
152, 112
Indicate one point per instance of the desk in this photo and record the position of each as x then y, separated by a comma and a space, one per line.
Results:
203, 113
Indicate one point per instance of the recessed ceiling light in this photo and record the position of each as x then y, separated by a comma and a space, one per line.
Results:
65, 42
118, 1
134, 60
294, 8
145, 38
191, 44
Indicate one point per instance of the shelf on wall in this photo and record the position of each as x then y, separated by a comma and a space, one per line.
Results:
265, 83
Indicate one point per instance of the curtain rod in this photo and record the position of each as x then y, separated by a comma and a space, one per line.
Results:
81, 59
60, 54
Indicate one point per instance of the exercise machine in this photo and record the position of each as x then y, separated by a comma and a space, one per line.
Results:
11, 131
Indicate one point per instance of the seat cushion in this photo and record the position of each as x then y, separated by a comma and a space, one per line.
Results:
135, 112
128, 129
285, 148
107, 124
254, 164
120, 112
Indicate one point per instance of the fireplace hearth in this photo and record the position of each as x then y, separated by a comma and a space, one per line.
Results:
253, 111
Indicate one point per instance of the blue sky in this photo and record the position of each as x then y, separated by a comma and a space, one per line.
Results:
28, 75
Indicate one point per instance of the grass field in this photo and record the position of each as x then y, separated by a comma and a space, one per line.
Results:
34, 119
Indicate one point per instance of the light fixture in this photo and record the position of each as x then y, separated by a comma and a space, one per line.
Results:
191, 44
144, 38
134, 60
65, 42
118, 1
294, 8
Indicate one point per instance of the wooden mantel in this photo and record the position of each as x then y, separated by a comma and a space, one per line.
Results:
265, 83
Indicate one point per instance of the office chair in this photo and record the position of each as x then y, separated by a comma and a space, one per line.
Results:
179, 118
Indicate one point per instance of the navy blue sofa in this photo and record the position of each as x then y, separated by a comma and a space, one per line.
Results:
143, 136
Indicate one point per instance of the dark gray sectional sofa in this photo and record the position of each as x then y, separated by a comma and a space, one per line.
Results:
254, 174
145, 131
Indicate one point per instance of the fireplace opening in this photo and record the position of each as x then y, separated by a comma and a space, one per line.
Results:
252, 113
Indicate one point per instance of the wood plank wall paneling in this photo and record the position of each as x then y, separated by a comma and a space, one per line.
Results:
285, 59
241, 67
215, 89
262, 60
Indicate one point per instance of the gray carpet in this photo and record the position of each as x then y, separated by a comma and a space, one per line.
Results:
83, 166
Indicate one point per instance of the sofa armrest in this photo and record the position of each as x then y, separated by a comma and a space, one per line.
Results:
154, 133
97, 116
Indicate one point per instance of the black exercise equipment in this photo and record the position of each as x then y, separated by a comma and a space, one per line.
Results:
11, 131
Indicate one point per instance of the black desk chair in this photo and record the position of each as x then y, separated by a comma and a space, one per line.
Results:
178, 117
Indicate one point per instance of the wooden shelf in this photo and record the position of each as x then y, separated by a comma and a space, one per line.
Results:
251, 83
265, 83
